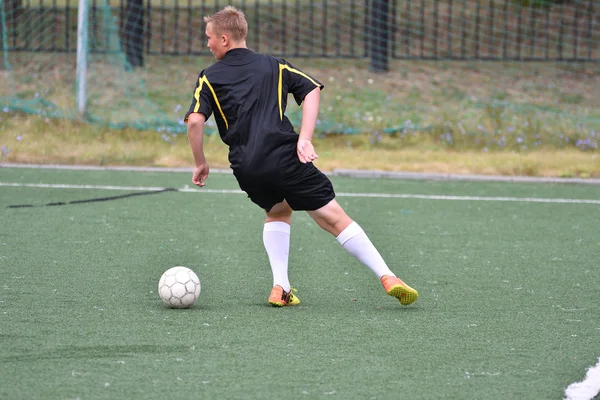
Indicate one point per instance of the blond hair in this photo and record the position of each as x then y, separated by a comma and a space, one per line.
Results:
229, 20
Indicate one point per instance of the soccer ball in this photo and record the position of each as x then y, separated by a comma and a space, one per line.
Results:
179, 287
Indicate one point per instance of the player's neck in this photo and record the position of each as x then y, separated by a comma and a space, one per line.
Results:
237, 45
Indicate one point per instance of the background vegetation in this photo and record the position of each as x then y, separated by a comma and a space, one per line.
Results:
449, 117
500, 117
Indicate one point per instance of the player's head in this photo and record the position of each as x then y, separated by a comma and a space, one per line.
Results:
226, 29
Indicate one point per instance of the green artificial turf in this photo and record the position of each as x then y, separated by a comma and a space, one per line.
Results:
508, 304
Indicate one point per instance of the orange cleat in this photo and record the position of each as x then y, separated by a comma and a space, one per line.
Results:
398, 289
281, 298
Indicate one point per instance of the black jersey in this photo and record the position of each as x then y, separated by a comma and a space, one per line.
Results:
247, 93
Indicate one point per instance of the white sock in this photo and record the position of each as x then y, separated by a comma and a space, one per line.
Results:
276, 238
356, 242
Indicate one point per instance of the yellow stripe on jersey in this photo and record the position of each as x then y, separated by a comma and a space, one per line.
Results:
201, 81
197, 94
280, 84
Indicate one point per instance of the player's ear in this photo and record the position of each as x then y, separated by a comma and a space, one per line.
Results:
225, 40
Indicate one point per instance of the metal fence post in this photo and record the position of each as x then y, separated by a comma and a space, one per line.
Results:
380, 35
134, 32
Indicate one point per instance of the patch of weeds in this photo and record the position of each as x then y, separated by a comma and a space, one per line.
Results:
569, 98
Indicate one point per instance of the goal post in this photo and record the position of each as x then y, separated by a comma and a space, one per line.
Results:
82, 53
3, 37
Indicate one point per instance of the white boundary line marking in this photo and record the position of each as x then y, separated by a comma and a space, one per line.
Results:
67, 186
340, 194
586, 389
470, 198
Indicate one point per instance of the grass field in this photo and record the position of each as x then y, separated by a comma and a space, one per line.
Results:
508, 291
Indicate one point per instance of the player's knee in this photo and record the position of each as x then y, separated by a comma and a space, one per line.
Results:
334, 223
340, 224
280, 212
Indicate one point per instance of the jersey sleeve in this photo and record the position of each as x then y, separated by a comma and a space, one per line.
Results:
200, 99
297, 82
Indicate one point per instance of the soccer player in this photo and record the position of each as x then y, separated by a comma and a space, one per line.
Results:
247, 93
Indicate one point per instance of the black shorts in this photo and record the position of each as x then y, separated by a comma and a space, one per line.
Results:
303, 186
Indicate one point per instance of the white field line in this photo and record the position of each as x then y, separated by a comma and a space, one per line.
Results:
188, 189
586, 389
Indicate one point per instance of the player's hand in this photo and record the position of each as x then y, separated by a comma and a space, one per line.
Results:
200, 174
306, 151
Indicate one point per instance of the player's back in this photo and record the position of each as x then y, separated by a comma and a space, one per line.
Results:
248, 103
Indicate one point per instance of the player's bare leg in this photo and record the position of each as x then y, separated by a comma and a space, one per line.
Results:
354, 240
276, 238
280, 212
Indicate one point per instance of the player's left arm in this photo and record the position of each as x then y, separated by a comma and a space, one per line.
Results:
195, 131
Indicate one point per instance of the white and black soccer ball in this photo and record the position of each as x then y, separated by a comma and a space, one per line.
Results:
179, 287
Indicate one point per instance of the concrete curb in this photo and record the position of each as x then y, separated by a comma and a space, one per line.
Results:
354, 173
107, 168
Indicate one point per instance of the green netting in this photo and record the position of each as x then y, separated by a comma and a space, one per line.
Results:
41, 74
498, 73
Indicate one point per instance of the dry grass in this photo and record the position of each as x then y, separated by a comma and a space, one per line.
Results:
28, 139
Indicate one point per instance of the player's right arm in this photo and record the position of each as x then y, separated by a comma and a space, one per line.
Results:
307, 92
310, 112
